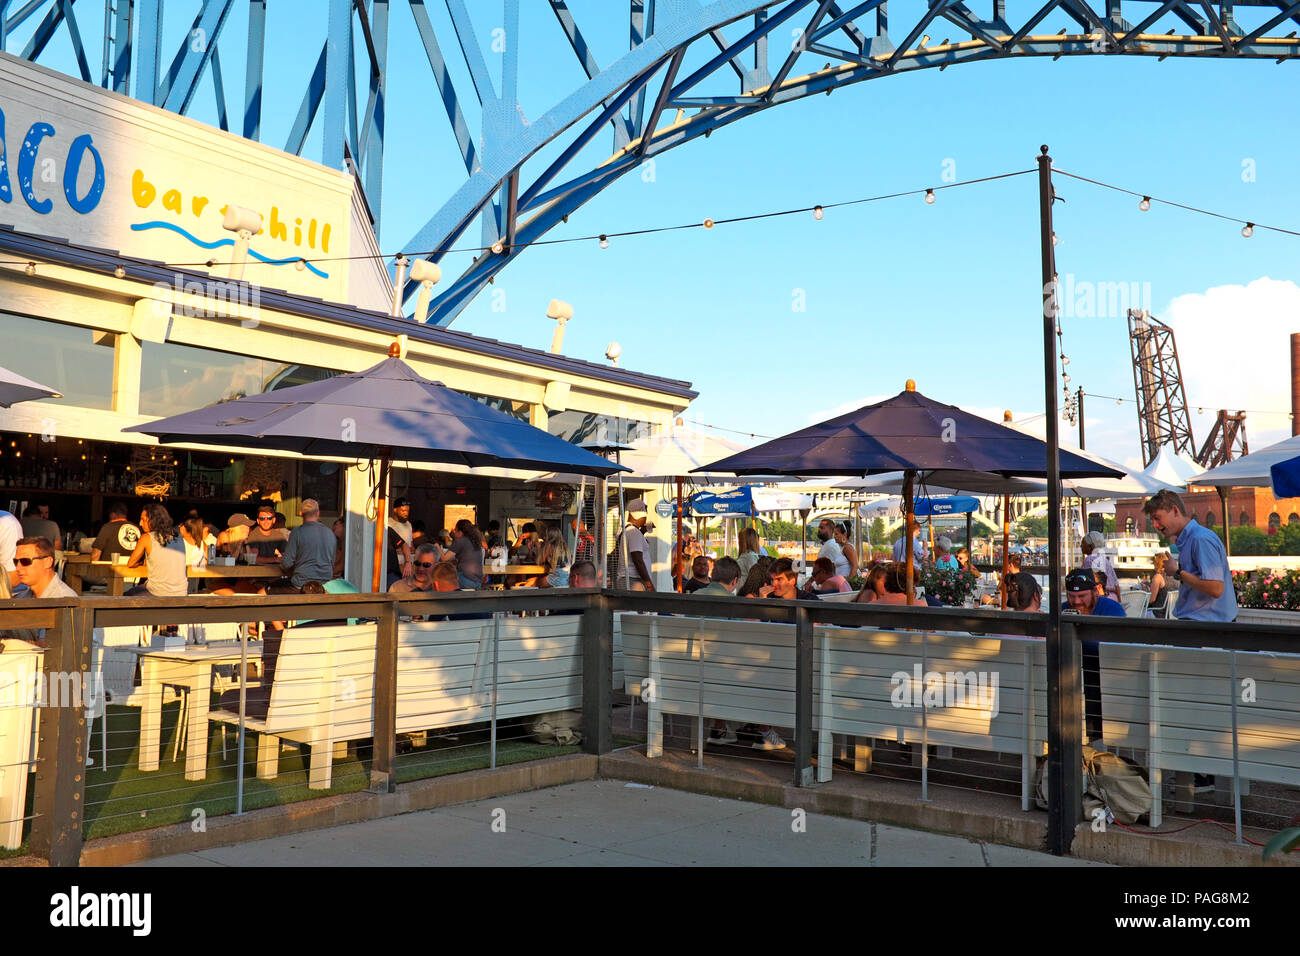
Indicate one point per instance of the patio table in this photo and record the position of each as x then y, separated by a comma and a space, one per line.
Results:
118, 574
189, 667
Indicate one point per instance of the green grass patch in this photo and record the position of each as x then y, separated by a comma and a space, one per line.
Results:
122, 799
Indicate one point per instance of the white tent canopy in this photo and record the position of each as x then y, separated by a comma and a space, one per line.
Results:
1250, 470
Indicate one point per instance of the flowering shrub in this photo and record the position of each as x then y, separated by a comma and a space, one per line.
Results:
952, 587
1267, 589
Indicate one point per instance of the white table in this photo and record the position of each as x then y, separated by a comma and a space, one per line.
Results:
191, 668
20, 664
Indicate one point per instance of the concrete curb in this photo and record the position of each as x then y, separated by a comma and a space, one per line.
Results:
341, 809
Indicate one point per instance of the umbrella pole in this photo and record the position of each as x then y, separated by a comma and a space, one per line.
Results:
908, 477
681, 552
381, 521
970, 547
1006, 547
1227, 546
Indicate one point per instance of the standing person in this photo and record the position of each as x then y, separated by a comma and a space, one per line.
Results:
340, 547
309, 553
554, 556
633, 549
750, 550
846, 546
584, 546
162, 552
400, 534
830, 548
685, 552
1095, 558
918, 546
11, 531
1201, 565
467, 546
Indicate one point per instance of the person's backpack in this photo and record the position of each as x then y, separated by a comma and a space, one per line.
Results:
559, 727
1109, 782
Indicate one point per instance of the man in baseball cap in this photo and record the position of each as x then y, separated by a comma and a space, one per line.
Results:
634, 550
1082, 598
309, 555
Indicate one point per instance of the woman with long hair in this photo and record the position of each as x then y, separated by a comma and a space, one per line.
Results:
750, 549
758, 583
841, 536
161, 550
554, 556
467, 545
1157, 604
873, 589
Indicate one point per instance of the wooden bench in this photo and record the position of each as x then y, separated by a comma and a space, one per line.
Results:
1175, 705
323, 691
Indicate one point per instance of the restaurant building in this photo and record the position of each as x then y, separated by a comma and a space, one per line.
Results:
116, 289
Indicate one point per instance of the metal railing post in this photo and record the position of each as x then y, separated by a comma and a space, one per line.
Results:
925, 724
496, 650
1233, 691
597, 676
382, 776
243, 714
59, 800
1064, 736
803, 697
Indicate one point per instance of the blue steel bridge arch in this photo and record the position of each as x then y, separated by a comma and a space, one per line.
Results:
350, 90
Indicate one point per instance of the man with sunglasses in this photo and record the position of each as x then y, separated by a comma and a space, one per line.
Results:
421, 579
269, 540
34, 562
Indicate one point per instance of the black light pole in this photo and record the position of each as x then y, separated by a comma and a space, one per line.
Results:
1083, 505
1064, 746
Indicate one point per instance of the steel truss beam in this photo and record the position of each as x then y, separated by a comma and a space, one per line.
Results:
632, 93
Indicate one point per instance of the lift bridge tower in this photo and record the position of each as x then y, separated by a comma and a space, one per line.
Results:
1162, 400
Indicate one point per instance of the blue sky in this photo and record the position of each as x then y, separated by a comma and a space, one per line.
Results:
946, 294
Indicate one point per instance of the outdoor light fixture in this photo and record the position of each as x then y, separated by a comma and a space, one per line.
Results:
1145, 204
929, 196
1055, 241
612, 351
561, 312
245, 224
119, 272
1248, 231
427, 274
498, 247
604, 243
31, 269
300, 265
708, 224
399, 282
818, 212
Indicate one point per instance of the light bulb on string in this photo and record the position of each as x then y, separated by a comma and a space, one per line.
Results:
818, 212
498, 247
300, 265
1119, 401
708, 223
1145, 204
1055, 241
1248, 230
119, 272
929, 196
604, 242
31, 269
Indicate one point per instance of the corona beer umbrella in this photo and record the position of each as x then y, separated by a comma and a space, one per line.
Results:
384, 412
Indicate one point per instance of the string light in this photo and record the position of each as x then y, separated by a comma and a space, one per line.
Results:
604, 242
708, 223
300, 265
119, 272
31, 269
1145, 204
498, 247
929, 196
818, 213
1248, 231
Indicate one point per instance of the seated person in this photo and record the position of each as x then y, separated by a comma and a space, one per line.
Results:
699, 575
873, 588
943, 557
895, 581
824, 580
421, 579
1023, 593
34, 564
582, 574
230, 542
269, 540
726, 578
1081, 586
785, 583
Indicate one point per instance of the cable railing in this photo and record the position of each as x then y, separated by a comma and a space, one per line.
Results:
137, 729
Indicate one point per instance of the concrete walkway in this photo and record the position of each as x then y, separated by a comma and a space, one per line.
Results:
611, 823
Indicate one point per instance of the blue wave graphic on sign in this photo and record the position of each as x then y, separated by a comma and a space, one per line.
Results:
143, 226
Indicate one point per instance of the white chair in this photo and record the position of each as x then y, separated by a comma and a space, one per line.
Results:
1135, 602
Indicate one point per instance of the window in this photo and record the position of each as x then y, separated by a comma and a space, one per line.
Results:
1129, 526
1209, 519
578, 427
1292, 518
71, 359
1243, 520
1274, 521
176, 378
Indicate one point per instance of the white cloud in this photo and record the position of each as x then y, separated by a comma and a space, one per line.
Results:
1234, 349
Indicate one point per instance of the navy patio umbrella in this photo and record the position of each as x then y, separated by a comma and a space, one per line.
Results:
14, 388
911, 433
385, 412
1286, 478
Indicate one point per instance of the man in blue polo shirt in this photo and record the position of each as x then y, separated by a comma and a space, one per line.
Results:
1201, 566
